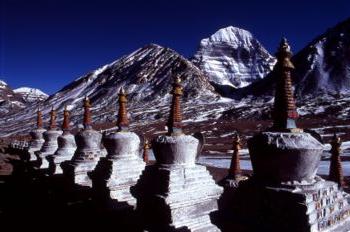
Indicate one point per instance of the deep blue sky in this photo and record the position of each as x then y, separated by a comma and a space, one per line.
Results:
47, 44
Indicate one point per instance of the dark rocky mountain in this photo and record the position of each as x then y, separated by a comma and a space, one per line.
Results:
146, 74
322, 67
14, 100
9, 100
324, 64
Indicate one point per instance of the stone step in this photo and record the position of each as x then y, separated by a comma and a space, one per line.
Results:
191, 183
190, 177
123, 169
122, 173
114, 183
181, 199
190, 186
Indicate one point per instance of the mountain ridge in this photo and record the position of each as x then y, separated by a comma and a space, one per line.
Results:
147, 76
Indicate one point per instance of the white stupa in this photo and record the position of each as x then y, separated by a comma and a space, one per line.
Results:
50, 145
87, 154
66, 147
123, 165
37, 140
176, 193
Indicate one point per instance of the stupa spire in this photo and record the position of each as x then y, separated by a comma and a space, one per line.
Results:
39, 119
122, 122
336, 170
235, 167
175, 117
284, 112
65, 124
53, 117
146, 148
87, 114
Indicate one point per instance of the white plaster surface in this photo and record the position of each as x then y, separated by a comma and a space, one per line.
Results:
125, 165
36, 143
122, 144
86, 156
49, 147
65, 151
293, 140
176, 150
188, 190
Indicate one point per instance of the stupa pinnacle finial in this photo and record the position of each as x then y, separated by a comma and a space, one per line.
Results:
87, 114
235, 167
65, 124
336, 170
146, 147
52, 119
284, 112
122, 122
39, 119
175, 118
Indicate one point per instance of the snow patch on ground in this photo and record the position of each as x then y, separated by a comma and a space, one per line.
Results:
32, 91
223, 161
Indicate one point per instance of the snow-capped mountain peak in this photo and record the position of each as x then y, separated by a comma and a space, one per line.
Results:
233, 58
9, 100
31, 94
3, 84
233, 35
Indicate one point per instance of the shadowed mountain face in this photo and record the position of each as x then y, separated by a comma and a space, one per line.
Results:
9, 100
146, 74
322, 67
14, 100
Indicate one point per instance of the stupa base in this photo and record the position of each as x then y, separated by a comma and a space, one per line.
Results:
318, 206
42, 162
177, 197
32, 156
77, 173
59, 157
31, 153
113, 178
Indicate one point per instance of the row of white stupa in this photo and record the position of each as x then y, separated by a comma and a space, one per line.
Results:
190, 193
175, 192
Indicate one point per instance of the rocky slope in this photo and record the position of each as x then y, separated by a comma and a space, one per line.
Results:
324, 64
232, 57
9, 100
322, 67
321, 82
146, 74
